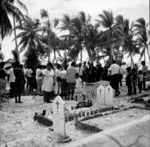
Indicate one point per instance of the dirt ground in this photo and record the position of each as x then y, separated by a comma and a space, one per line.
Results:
17, 127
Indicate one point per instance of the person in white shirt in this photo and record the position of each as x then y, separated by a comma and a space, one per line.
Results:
48, 83
79, 84
57, 87
122, 72
114, 80
39, 78
63, 77
28, 74
71, 72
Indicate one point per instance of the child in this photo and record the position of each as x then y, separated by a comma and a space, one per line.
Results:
134, 80
140, 80
129, 81
78, 86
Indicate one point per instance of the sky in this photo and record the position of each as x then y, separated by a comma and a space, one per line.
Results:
131, 9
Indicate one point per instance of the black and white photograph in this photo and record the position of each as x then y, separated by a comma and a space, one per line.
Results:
75, 73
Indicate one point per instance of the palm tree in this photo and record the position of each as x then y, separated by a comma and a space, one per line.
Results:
142, 36
77, 31
30, 37
8, 9
107, 22
14, 23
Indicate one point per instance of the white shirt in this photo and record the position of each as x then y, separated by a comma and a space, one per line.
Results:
63, 74
114, 69
48, 80
38, 74
78, 83
123, 69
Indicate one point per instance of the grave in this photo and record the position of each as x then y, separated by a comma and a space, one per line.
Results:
100, 95
108, 96
104, 94
59, 119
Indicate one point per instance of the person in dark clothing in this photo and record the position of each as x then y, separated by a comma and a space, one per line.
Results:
92, 73
134, 80
3, 75
144, 71
140, 81
99, 72
19, 81
129, 81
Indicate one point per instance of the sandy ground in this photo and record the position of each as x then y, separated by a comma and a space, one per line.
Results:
17, 126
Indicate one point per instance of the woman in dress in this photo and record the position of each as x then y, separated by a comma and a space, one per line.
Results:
48, 83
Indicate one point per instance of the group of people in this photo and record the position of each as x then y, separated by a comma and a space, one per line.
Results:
133, 76
55, 79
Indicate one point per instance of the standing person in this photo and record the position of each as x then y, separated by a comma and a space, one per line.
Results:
29, 74
129, 81
122, 72
99, 72
114, 79
140, 80
71, 72
81, 70
19, 82
78, 86
11, 80
48, 83
3, 75
57, 87
63, 77
134, 80
144, 71
39, 78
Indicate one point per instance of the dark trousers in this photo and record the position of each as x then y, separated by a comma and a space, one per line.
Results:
140, 86
120, 79
12, 88
144, 84
47, 96
71, 87
64, 88
129, 89
114, 82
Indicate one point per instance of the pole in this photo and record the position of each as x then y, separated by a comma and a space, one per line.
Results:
15, 35
48, 33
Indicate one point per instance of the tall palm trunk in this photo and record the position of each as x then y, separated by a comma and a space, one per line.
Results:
148, 52
15, 35
54, 56
48, 33
145, 55
81, 55
132, 62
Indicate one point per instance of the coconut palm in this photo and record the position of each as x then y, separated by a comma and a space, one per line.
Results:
129, 44
107, 21
14, 23
76, 27
142, 36
29, 35
8, 9
52, 39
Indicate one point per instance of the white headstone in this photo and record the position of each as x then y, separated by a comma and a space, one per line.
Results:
100, 100
108, 96
59, 116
